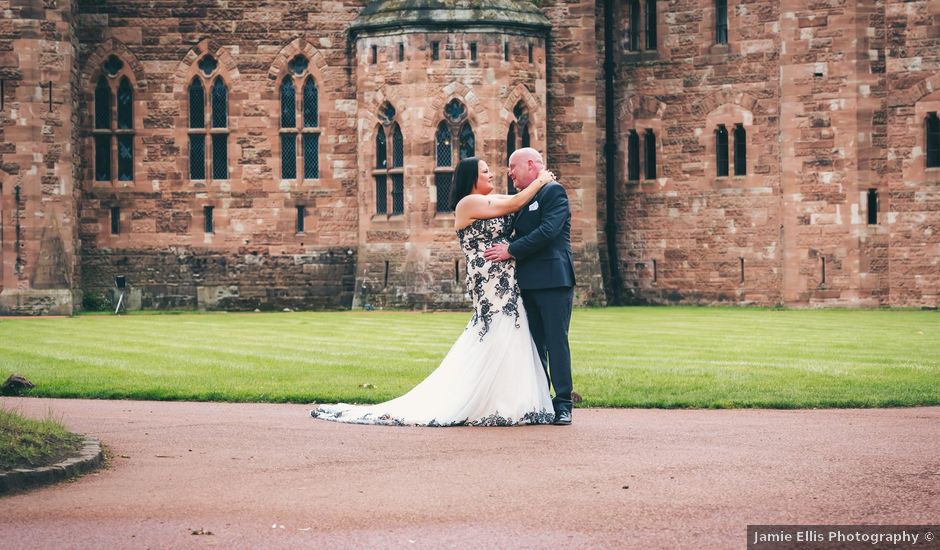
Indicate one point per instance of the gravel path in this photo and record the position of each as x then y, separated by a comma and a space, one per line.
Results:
260, 476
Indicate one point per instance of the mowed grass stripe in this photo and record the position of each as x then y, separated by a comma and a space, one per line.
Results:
650, 357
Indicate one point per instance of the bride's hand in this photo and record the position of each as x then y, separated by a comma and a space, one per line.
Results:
545, 176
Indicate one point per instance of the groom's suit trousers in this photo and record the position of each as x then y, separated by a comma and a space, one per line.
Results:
549, 312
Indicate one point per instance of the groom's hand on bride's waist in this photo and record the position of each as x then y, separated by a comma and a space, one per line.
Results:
497, 253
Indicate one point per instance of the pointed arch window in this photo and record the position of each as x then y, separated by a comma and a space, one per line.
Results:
932, 140
518, 134
114, 135
300, 135
454, 139
385, 172
208, 135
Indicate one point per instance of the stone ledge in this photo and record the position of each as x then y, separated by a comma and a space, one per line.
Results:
89, 458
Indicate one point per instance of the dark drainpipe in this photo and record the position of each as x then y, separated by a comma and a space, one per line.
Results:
615, 296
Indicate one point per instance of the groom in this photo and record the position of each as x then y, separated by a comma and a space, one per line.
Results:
541, 245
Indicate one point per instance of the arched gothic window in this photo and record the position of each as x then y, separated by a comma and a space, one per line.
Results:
633, 156
454, 139
518, 134
383, 173
213, 128
649, 146
114, 136
300, 135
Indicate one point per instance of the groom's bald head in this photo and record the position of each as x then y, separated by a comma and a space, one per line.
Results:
524, 166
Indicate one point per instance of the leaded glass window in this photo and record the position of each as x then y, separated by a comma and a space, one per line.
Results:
518, 134
208, 135
125, 105
288, 103
197, 104
454, 139
650, 24
300, 131
383, 173
114, 136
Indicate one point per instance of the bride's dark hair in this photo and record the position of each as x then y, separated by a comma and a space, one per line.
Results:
465, 176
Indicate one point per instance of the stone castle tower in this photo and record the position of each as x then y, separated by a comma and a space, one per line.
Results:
269, 155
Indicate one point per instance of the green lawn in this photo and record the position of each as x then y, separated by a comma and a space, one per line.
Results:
623, 357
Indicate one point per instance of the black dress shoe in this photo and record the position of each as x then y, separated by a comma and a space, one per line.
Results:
562, 418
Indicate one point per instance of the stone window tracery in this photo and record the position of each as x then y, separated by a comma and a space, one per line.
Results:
208, 161
383, 173
517, 137
300, 135
114, 123
724, 148
454, 138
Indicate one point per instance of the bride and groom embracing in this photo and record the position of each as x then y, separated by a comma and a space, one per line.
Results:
520, 276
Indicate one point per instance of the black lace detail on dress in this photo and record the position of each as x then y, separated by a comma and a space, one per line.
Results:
532, 417
491, 285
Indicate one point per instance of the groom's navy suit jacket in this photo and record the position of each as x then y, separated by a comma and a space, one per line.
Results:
542, 241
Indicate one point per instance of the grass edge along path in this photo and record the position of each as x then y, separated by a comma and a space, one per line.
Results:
664, 357
29, 443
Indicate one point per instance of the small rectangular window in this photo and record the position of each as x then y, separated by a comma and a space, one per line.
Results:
633, 156
531, 53
650, 24
115, 220
655, 271
741, 260
740, 150
401, 52
823, 270
872, 207
506, 50
3, 94
375, 54
207, 219
473, 51
721, 21
649, 144
634, 40
301, 214
435, 51
721, 151
932, 140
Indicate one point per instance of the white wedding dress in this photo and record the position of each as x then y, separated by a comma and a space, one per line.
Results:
492, 375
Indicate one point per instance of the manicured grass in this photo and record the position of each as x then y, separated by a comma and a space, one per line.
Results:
622, 357
30, 443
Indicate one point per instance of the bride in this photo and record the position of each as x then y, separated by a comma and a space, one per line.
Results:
492, 376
